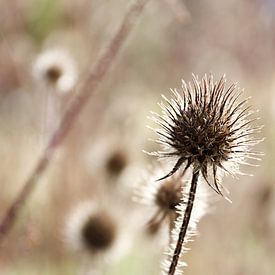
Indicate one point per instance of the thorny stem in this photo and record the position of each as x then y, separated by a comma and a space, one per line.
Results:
185, 223
87, 89
172, 219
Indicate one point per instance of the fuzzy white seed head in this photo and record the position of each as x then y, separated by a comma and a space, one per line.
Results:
56, 68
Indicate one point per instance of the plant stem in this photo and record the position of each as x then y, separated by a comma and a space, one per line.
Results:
86, 90
185, 223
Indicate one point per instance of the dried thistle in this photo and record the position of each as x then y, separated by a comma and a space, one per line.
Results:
98, 233
168, 195
116, 162
88, 88
205, 128
163, 196
90, 229
56, 68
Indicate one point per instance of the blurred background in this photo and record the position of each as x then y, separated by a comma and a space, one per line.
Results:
101, 159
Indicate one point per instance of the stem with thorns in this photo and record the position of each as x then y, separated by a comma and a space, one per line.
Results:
185, 223
85, 92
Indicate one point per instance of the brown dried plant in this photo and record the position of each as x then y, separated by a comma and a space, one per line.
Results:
208, 129
86, 89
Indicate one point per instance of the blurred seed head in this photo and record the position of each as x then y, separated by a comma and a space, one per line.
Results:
107, 156
264, 195
206, 127
116, 162
53, 74
164, 196
90, 229
168, 195
99, 231
56, 68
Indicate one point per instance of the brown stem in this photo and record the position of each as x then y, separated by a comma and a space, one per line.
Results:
185, 224
87, 89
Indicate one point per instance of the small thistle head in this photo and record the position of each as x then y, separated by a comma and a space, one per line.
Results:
207, 127
116, 162
165, 196
168, 195
91, 229
98, 232
56, 68
52, 74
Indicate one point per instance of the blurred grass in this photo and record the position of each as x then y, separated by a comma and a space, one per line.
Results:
25, 268
43, 17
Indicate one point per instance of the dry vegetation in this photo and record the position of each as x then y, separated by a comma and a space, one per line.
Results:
101, 158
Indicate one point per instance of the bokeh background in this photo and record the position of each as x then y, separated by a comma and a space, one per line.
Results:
172, 39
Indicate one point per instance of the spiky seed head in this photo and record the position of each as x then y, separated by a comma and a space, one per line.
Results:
207, 127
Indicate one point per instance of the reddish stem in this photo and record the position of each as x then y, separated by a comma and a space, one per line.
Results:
87, 89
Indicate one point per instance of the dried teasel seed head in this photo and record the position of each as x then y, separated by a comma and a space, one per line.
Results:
167, 198
52, 74
164, 196
91, 230
169, 194
56, 68
98, 232
208, 127
116, 162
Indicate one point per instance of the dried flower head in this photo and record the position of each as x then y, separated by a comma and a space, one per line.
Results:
56, 68
164, 196
168, 195
98, 233
206, 127
116, 162
91, 229
200, 208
